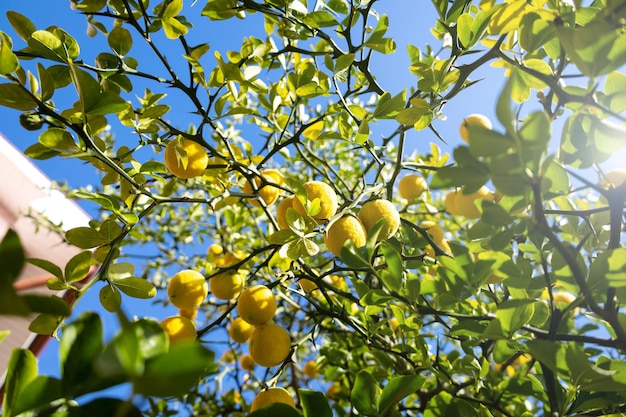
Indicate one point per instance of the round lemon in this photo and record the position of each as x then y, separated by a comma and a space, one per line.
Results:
179, 329
374, 210
185, 158
327, 198
473, 120
187, 289
433, 229
464, 203
614, 178
281, 212
449, 203
346, 228
411, 186
240, 330
307, 285
256, 304
310, 369
333, 390
190, 313
269, 345
247, 363
270, 396
268, 193
227, 285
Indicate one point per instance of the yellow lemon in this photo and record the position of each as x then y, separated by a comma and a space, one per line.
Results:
227, 285
346, 228
185, 158
614, 178
256, 304
268, 193
247, 363
240, 330
310, 369
269, 345
187, 289
411, 186
333, 390
270, 396
374, 210
327, 199
281, 212
464, 203
189, 313
449, 203
473, 120
179, 329
433, 229
307, 285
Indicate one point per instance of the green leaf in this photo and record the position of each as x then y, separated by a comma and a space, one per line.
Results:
46, 266
46, 82
120, 40
447, 177
398, 388
173, 28
45, 324
464, 30
38, 393
513, 314
4, 334
135, 287
105, 103
314, 403
365, 394
392, 275
11, 257
59, 140
487, 142
319, 19
110, 298
81, 342
52, 305
85, 237
15, 97
616, 274
107, 407
21, 371
176, 372
388, 107
78, 266
21, 25
47, 45
8, 60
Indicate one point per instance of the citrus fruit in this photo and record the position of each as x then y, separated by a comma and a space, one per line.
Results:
449, 203
247, 363
227, 285
256, 304
281, 212
187, 289
240, 330
333, 390
310, 369
268, 193
411, 186
269, 344
433, 229
614, 178
327, 200
185, 158
464, 203
374, 210
190, 313
346, 228
307, 285
179, 329
473, 120
270, 396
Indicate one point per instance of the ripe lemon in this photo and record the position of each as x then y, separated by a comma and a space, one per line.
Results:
179, 329
449, 203
614, 178
333, 390
374, 210
346, 228
281, 212
270, 396
256, 304
411, 186
307, 285
433, 229
240, 330
247, 363
187, 289
190, 313
227, 285
327, 198
268, 193
269, 344
310, 369
473, 120
185, 158
464, 203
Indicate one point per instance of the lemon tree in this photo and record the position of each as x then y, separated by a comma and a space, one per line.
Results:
444, 243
